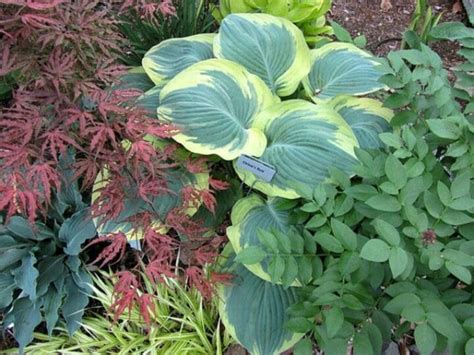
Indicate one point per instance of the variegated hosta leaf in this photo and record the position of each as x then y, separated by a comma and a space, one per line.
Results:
160, 205
304, 141
170, 57
366, 117
341, 69
213, 104
254, 311
271, 47
150, 100
136, 78
249, 215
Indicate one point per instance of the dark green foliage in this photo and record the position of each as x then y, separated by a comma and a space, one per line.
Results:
392, 248
192, 17
42, 277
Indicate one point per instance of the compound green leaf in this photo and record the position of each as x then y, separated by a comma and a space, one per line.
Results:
214, 104
304, 141
165, 60
270, 47
341, 69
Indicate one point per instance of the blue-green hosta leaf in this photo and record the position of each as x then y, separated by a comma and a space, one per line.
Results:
214, 104
366, 117
341, 69
270, 47
7, 286
136, 78
74, 305
150, 100
254, 312
76, 230
165, 60
26, 316
26, 276
52, 302
248, 216
305, 140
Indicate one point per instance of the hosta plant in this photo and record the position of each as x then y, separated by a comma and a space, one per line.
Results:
256, 89
43, 276
308, 15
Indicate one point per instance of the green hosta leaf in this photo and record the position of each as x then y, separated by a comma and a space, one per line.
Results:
375, 250
270, 47
26, 276
76, 230
26, 316
167, 59
254, 312
7, 286
214, 103
52, 302
425, 338
11, 256
74, 305
252, 216
341, 68
301, 135
366, 117
398, 261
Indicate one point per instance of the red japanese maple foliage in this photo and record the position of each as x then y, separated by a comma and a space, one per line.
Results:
63, 54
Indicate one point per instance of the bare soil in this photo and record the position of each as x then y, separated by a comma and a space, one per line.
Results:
384, 29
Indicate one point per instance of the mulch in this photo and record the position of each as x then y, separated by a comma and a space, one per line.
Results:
384, 29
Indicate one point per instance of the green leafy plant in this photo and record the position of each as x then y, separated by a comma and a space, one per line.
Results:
422, 21
390, 250
142, 33
307, 15
180, 322
42, 275
234, 93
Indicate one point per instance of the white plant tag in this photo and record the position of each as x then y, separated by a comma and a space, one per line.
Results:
260, 169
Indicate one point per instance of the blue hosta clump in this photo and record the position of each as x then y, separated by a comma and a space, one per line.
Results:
43, 277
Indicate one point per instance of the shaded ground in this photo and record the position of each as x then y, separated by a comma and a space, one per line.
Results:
384, 29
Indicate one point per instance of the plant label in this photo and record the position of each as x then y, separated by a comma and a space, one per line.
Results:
260, 169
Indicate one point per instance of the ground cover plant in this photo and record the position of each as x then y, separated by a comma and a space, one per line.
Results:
348, 177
